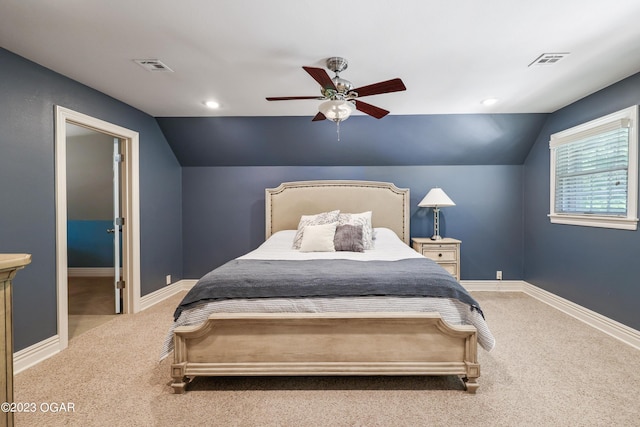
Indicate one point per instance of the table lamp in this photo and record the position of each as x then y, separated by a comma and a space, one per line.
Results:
436, 199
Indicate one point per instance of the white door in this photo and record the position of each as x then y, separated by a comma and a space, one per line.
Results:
118, 222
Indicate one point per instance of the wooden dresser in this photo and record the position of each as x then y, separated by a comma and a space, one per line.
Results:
9, 265
445, 252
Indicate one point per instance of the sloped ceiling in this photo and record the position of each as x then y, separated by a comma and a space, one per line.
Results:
457, 139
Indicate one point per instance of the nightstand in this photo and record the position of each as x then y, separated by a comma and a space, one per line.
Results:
445, 252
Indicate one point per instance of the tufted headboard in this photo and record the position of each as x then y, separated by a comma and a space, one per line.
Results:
286, 203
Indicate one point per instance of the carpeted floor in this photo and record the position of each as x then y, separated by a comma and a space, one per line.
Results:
91, 302
547, 369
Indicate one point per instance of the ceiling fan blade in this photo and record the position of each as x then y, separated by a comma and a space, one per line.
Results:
393, 85
321, 76
319, 117
371, 110
289, 98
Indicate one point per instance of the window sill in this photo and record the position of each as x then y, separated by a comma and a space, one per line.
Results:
595, 221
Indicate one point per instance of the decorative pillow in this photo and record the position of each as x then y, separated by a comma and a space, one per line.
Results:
318, 238
318, 219
363, 219
348, 238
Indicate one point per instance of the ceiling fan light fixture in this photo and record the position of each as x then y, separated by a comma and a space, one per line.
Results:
337, 110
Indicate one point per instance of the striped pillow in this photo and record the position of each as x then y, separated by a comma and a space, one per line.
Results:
318, 219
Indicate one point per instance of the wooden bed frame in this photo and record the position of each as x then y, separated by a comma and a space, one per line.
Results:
392, 343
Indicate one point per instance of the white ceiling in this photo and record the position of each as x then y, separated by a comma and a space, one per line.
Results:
450, 54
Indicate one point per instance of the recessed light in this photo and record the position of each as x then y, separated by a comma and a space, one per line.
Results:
212, 104
489, 101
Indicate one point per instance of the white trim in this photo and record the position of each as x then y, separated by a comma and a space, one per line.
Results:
131, 195
90, 271
42, 350
604, 324
168, 291
627, 117
38, 352
609, 326
595, 221
492, 285
35, 354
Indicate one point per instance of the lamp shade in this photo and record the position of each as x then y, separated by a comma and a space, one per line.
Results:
336, 110
436, 198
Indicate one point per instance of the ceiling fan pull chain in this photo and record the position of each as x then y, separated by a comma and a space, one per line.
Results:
338, 131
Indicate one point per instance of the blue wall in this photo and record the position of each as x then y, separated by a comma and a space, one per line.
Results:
597, 268
28, 94
89, 245
223, 210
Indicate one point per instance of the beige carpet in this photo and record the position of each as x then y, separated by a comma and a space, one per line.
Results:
91, 302
547, 369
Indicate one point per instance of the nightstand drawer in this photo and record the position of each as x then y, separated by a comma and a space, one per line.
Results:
451, 268
446, 252
441, 255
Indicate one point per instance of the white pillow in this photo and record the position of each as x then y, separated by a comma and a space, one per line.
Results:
318, 219
363, 219
318, 238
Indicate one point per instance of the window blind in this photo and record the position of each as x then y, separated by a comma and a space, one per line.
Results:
592, 171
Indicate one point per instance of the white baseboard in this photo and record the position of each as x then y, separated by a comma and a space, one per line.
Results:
609, 326
42, 350
493, 285
161, 294
35, 354
38, 352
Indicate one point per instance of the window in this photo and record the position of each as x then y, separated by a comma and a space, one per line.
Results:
594, 172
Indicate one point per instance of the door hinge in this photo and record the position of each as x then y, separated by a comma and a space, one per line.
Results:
118, 158
119, 221
120, 284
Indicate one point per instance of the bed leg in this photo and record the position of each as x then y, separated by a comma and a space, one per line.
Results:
180, 380
470, 384
179, 385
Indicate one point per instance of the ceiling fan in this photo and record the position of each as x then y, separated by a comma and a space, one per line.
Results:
339, 95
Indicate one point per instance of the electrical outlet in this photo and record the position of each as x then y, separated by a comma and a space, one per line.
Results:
168, 279
499, 274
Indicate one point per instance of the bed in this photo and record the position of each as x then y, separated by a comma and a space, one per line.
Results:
311, 311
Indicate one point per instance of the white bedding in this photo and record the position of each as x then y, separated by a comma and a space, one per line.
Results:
387, 247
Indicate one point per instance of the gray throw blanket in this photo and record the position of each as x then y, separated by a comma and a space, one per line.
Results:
414, 277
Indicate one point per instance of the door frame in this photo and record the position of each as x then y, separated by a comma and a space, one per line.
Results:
130, 187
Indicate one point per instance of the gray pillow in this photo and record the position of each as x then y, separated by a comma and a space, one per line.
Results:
348, 238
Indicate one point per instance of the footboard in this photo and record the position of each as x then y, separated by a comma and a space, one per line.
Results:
325, 344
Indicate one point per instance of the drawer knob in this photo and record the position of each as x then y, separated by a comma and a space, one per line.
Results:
440, 255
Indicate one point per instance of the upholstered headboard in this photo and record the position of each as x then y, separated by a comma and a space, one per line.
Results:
287, 202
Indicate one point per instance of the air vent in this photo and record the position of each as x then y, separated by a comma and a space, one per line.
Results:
548, 59
153, 65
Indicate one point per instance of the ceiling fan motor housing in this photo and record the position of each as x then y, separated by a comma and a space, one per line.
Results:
343, 86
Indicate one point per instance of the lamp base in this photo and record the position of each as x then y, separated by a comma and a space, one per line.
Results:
436, 224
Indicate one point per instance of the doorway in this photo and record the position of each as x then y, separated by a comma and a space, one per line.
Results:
128, 140
90, 232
